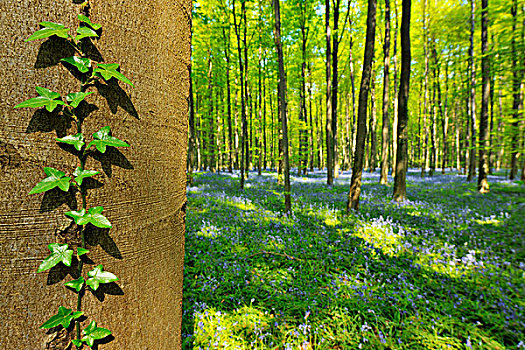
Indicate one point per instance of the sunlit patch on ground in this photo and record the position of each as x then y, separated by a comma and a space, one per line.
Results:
443, 270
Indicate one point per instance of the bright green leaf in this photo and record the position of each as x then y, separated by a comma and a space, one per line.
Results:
82, 64
92, 216
76, 342
81, 251
92, 333
82, 174
49, 29
75, 98
103, 139
46, 99
98, 275
109, 70
54, 178
63, 317
85, 32
59, 253
76, 284
86, 20
75, 140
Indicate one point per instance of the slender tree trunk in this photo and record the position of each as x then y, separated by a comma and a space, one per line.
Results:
424, 166
483, 184
386, 118
265, 162
244, 133
303, 139
472, 158
247, 97
329, 130
357, 169
492, 90
354, 114
395, 99
191, 141
404, 88
335, 89
516, 82
282, 105
373, 124
311, 133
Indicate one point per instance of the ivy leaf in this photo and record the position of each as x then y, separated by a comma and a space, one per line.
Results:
77, 342
103, 139
82, 64
75, 140
85, 32
46, 99
109, 70
81, 251
98, 275
86, 20
76, 284
63, 317
54, 178
59, 253
92, 333
49, 29
82, 174
93, 216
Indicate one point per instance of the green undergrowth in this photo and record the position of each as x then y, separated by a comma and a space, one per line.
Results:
444, 270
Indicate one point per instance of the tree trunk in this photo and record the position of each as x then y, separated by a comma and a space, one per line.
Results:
335, 87
472, 157
228, 89
516, 82
386, 118
404, 88
329, 130
282, 105
142, 188
357, 169
303, 140
373, 125
191, 142
483, 184
395, 99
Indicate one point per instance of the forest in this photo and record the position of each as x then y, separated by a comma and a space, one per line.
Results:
356, 175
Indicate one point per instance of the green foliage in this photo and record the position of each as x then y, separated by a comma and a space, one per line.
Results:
54, 178
103, 138
46, 99
50, 100
63, 318
59, 253
98, 275
92, 333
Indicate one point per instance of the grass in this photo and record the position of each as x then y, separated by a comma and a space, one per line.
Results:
444, 270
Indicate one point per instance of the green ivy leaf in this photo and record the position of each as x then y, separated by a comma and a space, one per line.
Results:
54, 178
98, 275
63, 317
59, 253
92, 333
103, 139
77, 342
81, 251
109, 70
76, 284
86, 20
82, 64
75, 140
46, 99
82, 174
93, 216
85, 32
75, 98
49, 29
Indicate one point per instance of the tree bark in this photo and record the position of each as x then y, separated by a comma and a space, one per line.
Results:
483, 184
472, 157
329, 130
386, 81
142, 188
404, 88
282, 105
357, 169
516, 82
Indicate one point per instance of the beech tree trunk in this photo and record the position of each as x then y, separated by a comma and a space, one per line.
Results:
329, 130
483, 184
142, 188
386, 118
282, 105
404, 88
516, 82
472, 116
357, 169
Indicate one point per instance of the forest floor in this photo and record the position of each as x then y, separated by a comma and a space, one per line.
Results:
444, 270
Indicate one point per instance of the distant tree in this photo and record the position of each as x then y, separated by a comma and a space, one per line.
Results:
472, 116
282, 104
357, 169
386, 118
404, 88
483, 184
